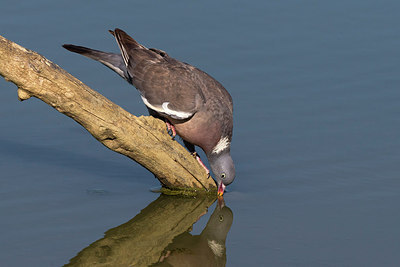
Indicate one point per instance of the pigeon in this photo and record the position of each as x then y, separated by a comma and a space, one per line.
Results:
193, 104
206, 249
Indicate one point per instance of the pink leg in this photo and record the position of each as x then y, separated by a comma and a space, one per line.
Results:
171, 128
201, 163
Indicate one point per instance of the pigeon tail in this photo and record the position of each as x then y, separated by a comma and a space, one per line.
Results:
111, 60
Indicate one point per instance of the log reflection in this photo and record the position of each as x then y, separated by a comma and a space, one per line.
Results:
159, 235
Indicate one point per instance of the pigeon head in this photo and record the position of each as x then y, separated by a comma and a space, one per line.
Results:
223, 169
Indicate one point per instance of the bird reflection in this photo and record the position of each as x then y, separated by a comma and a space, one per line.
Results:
206, 249
159, 236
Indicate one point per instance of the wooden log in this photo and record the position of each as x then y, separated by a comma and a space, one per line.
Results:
143, 139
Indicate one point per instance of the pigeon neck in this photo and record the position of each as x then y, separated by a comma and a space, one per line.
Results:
223, 144
223, 153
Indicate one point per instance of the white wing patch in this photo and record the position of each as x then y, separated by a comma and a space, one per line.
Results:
222, 144
175, 114
180, 115
216, 248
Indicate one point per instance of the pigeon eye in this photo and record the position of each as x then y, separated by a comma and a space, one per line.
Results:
221, 218
223, 175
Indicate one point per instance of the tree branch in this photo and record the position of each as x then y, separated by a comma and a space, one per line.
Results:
143, 139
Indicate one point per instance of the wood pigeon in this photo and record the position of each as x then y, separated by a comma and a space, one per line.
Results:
193, 104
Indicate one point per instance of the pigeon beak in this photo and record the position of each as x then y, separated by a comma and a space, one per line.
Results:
221, 189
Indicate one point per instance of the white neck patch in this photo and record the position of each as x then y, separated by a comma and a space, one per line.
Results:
216, 248
222, 144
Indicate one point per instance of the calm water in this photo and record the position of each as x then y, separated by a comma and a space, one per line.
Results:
316, 88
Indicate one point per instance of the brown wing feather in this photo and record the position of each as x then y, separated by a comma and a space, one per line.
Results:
159, 77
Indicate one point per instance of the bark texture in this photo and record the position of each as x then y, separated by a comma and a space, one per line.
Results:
143, 139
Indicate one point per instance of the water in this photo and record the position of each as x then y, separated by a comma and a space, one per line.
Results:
316, 91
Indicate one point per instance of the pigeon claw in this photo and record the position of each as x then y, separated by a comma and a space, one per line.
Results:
171, 129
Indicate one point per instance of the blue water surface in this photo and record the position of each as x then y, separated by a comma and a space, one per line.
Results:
316, 140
